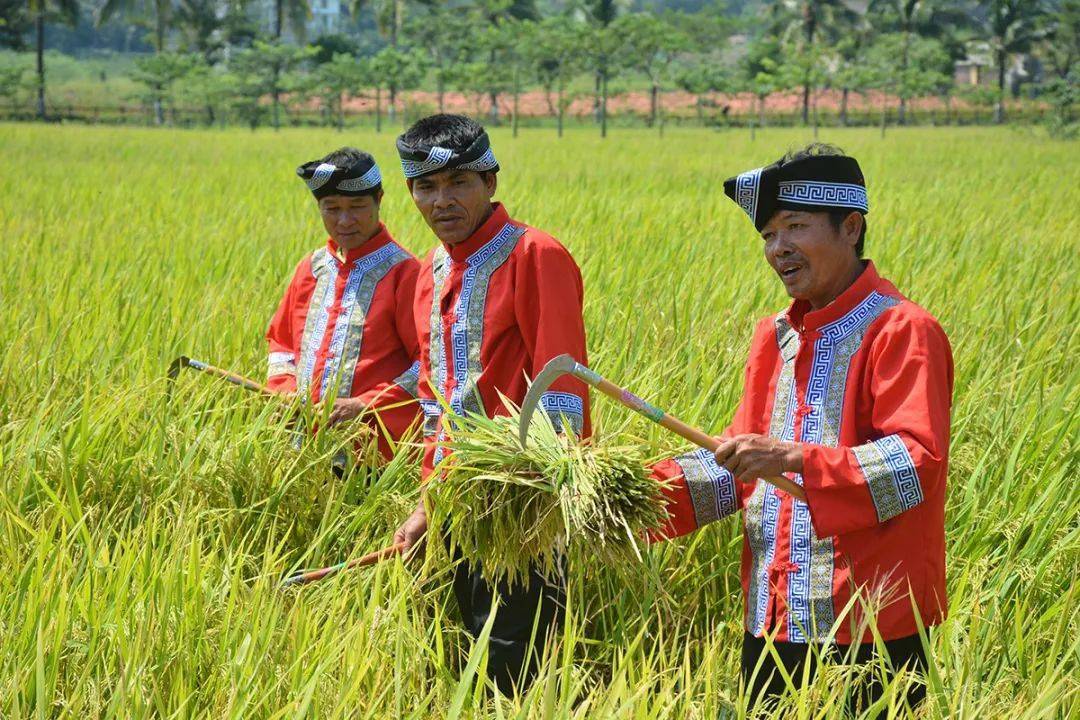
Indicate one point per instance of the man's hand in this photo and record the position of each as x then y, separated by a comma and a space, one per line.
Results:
345, 409
751, 456
413, 532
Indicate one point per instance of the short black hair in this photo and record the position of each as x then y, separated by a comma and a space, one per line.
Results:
455, 132
836, 217
347, 156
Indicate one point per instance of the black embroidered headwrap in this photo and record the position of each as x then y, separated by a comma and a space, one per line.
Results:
420, 160
815, 183
323, 178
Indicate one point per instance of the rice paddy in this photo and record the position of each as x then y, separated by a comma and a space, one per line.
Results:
142, 541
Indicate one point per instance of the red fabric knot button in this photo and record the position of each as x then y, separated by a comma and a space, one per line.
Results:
804, 410
783, 567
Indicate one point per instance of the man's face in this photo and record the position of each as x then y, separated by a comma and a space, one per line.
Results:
815, 260
454, 202
351, 221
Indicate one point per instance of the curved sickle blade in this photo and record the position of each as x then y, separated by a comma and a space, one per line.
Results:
177, 365
555, 368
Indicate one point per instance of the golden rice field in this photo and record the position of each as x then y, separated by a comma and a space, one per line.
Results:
141, 541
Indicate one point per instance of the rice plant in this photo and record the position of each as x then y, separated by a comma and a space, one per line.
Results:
509, 507
142, 541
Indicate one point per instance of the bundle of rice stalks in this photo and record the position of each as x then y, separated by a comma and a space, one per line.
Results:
509, 508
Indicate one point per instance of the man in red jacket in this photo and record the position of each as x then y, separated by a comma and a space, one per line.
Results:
848, 393
495, 300
344, 331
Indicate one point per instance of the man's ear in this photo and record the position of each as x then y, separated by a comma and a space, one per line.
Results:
851, 228
491, 182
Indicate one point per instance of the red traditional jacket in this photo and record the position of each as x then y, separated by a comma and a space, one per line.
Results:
865, 384
490, 312
347, 328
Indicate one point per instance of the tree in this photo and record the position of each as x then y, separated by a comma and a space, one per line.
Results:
760, 70
600, 46
389, 20
394, 68
922, 74
444, 33
257, 71
12, 82
1011, 26
649, 45
553, 50
15, 24
207, 87
65, 11
943, 20
498, 46
805, 19
295, 13
848, 54
158, 73
333, 80
702, 78
199, 26
1060, 48
158, 14
807, 66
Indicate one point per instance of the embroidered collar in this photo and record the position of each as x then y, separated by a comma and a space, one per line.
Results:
800, 316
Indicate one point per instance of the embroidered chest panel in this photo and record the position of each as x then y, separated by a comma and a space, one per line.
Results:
456, 348
810, 563
346, 340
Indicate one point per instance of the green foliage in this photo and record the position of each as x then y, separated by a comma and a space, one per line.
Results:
400, 69
1063, 95
921, 74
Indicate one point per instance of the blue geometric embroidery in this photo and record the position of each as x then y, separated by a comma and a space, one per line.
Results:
390, 254
711, 487
432, 413
810, 583
322, 298
891, 476
806, 192
563, 404
365, 182
481, 164
437, 158
746, 191
410, 379
466, 334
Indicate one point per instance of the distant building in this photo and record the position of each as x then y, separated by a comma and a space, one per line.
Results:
327, 17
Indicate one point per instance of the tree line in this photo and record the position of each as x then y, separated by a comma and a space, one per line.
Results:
212, 55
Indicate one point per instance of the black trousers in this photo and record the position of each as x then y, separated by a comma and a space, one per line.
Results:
906, 653
512, 660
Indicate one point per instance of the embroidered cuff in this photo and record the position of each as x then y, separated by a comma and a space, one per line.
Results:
559, 405
410, 379
281, 363
711, 487
891, 476
432, 413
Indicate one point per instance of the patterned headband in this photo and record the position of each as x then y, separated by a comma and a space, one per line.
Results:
420, 160
819, 182
323, 178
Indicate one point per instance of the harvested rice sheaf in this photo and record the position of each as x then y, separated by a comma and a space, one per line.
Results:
509, 508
